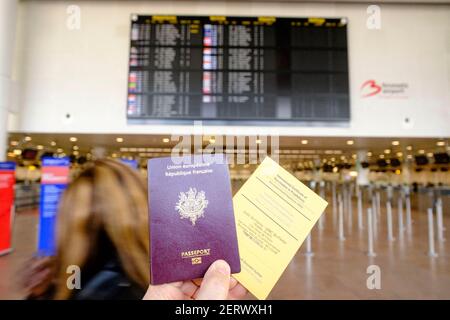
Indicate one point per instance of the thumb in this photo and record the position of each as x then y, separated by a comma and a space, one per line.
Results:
216, 282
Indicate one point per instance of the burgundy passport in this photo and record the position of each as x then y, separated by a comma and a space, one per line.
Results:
191, 217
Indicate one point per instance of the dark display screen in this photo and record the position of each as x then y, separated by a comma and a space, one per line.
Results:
238, 68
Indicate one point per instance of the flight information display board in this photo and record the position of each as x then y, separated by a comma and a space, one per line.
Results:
238, 68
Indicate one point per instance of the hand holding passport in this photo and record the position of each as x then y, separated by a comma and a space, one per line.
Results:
217, 284
193, 222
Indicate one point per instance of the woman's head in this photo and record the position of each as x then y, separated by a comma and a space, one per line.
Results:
104, 208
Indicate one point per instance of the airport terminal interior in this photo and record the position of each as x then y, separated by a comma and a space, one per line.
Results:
350, 97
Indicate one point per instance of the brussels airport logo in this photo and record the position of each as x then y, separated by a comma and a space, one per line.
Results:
370, 88
191, 205
392, 90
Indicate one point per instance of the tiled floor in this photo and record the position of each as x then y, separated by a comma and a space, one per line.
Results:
337, 270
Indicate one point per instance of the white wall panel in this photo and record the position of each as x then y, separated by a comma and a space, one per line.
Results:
84, 73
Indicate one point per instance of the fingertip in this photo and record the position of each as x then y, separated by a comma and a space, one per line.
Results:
216, 282
222, 266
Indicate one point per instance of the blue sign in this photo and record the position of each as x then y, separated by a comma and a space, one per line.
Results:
7, 166
55, 162
54, 181
132, 163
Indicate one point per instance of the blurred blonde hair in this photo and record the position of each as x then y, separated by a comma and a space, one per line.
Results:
107, 198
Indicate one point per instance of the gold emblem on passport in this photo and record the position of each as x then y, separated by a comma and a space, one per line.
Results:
191, 205
196, 255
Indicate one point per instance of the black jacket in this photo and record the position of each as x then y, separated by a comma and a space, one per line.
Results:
110, 283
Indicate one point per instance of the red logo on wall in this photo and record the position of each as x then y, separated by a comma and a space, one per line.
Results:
370, 88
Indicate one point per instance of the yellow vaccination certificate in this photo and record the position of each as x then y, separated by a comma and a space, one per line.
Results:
274, 213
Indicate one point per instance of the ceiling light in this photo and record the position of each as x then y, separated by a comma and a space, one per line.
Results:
39, 147
27, 138
409, 156
430, 155
17, 152
395, 143
119, 139
59, 150
212, 140
304, 141
14, 143
258, 141
422, 151
369, 154
75, 148
165, 140
75, 153
73, 139
409, 148
399, 154
381, 156
387, 151
53, 143
440, 143
350, 142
